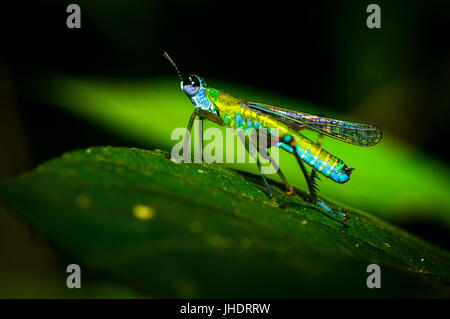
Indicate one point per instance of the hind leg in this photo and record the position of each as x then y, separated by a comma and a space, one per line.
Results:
310, 181
288, 145
289, 190
252, 151
311, 187
262, 151
313, 178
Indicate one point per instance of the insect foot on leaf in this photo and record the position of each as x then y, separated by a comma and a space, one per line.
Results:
290, 191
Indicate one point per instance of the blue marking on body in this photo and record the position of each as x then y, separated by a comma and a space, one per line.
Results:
238, 120
287, 138
336, 175
286, 147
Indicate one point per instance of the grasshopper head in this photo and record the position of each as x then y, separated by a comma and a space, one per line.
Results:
195, 88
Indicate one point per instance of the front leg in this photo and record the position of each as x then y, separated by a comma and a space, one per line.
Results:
200, 137
188, 135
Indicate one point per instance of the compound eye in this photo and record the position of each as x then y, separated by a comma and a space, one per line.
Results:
191, 85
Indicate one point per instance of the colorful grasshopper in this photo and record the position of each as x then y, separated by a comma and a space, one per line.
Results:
224, 109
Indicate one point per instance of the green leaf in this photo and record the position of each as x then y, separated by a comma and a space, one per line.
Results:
202, 230
392, 179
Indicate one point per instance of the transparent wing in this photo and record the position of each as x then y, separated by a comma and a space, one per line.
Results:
350, 132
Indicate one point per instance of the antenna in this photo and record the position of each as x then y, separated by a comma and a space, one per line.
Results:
174, 65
